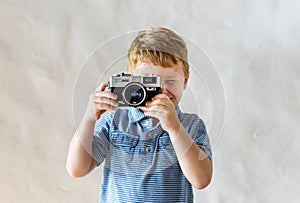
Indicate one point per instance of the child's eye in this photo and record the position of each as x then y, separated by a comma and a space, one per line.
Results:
170, 81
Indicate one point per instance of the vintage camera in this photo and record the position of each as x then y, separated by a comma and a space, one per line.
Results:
134, 90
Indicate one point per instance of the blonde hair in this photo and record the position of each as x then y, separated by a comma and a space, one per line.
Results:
158, 46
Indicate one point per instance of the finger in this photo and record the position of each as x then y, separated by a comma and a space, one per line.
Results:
160, 96
102, 87
164, 102
105, 100
106, 94
158, 108
103, 106
153, 114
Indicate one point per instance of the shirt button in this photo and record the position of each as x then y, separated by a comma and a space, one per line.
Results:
147, 149
146, 122
150, 135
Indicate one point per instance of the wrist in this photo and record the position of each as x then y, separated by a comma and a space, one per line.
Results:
89, 117
182, 142
174, 130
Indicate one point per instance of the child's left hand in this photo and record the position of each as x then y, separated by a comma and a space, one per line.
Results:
162, 108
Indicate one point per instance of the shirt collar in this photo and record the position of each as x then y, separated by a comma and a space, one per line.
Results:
135, 114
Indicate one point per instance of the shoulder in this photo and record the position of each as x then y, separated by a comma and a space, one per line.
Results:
104, 122
190, 118
192, 122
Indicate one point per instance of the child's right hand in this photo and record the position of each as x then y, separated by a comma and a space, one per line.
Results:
104, 100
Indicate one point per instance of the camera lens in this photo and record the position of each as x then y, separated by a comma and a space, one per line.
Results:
134, 94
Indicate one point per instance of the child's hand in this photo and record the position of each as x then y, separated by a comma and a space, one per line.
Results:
162, 108
104, 100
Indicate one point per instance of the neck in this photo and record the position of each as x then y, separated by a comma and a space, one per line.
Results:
154, 121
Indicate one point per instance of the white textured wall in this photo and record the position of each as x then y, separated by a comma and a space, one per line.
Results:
255, 46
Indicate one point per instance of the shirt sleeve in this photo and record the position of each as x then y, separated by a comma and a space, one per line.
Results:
100, 143
200, 136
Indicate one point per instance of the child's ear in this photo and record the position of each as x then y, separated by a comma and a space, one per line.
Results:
186, 79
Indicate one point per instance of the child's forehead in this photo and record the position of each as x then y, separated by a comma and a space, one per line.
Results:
166, 72
149, 68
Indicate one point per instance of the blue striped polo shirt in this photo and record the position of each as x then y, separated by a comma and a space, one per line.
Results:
140, 161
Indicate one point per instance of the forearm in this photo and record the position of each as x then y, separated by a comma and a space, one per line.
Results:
195, 164
198, 171
80, 161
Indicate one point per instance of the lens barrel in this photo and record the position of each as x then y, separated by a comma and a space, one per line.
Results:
134, 94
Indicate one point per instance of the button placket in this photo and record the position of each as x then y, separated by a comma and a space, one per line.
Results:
150, 135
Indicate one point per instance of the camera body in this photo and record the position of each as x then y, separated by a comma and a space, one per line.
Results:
133, 90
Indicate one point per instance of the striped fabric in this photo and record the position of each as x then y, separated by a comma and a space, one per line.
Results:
140, 162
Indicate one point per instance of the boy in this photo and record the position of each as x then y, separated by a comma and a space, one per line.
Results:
154, 153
